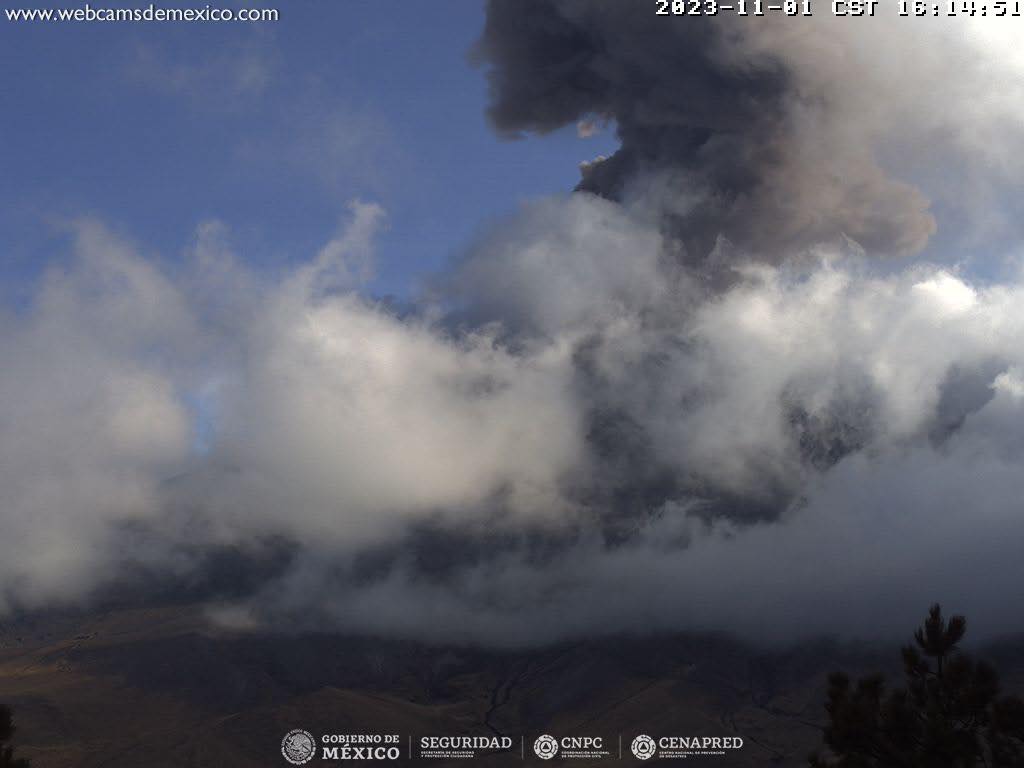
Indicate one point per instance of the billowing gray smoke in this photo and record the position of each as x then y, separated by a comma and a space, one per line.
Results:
695, 400
723, 137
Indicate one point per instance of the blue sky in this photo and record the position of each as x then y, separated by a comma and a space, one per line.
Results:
285, 412
270, 128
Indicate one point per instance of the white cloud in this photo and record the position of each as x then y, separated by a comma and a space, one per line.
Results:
343, 426
89, 416
238, 71
594, 437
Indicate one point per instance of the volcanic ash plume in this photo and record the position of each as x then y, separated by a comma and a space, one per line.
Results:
728, 128
707, 390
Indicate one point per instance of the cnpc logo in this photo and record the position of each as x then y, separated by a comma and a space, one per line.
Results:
547, 746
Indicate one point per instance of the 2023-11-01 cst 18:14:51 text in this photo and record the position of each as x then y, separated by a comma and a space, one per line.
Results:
907, 8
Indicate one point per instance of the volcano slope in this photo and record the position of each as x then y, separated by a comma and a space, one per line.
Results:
161, 687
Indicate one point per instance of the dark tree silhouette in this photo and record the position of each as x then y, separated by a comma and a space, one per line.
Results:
7, 758
950, 715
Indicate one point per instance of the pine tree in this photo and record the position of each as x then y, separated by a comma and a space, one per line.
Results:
949, 715
7, 758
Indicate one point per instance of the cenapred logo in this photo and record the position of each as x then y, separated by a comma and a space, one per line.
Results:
545, 747
681, 747
643, 747
298, 746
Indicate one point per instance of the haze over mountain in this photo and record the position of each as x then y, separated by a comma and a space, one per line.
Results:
761, 372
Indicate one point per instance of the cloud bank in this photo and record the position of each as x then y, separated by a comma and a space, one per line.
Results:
697, 393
